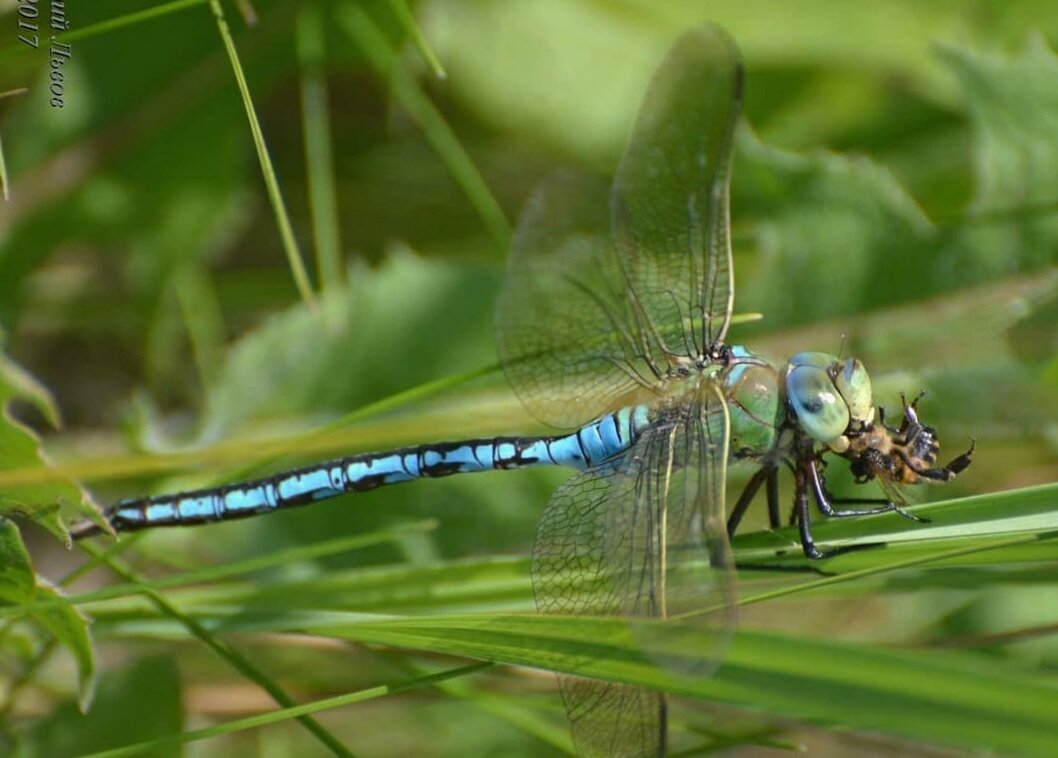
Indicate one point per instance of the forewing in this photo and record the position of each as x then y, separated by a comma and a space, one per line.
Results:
562, 326
670, 196
642, 536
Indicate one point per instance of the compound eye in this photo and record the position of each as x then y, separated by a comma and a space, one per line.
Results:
854, 384
820, 409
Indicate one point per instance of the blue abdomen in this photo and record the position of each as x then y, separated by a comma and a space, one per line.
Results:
590, 445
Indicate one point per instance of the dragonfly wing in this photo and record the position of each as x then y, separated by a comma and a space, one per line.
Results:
562, 332
600, 296
571, 575
642, 536
674, 528
670, 197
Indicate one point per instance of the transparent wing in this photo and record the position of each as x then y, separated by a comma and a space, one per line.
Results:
563, 332
642, 536
670, 196
601, 295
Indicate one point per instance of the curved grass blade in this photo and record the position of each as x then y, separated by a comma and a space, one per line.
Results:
940, 697
370, 40
1031, 510
225, 650
292, 712
275, 195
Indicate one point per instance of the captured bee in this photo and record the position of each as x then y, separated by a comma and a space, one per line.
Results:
904, 455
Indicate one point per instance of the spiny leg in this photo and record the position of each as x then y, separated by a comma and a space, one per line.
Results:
824, 501
774, 517
801, 509
844, 500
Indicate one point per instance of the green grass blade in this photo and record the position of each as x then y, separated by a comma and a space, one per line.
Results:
407, 22
883, 568
942, 697
512, 710
225, 651
319, 158
129, 19
1031, 510
454, 587
202, 317
285, 714
209, 574
367, 37
236, 451
5, 184
275, 195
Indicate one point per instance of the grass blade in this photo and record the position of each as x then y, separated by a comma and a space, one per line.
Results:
319, 158
234, 658
407, 22
129, 19
942, 697
298, 712
286, 230
369, 39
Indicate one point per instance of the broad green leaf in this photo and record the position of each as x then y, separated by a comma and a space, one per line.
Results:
20, 450
571, 74
17, 585
1013, 102
19, 588
826, 224
402, 323
70, 628
134, 704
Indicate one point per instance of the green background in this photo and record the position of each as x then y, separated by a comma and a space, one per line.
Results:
895, 191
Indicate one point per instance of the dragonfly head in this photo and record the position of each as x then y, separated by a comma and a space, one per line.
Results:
830, 398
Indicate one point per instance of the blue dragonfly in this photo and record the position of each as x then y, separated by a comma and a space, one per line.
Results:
612, 326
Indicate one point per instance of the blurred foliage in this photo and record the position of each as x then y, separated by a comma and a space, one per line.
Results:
895, 191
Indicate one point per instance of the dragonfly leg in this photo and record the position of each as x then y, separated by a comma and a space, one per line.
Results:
801, 508
774, 517
825, 501
745, 499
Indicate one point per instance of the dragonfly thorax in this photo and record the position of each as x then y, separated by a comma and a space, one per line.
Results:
683, 366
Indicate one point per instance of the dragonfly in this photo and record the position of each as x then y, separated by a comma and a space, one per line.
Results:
612, 328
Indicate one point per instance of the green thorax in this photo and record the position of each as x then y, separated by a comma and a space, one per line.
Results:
754, 402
